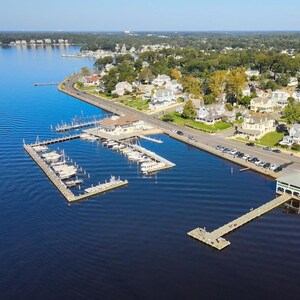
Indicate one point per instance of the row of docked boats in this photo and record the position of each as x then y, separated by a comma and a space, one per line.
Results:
148, 164
58, 164
89, 137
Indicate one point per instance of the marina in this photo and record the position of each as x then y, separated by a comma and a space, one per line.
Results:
215, 238
59, 171
54, 141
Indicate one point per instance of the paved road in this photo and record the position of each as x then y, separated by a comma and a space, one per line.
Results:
291, 162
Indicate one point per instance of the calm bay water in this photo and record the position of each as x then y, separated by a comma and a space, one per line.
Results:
130, 243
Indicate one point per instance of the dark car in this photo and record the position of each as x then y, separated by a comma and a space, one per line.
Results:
179, 132
266, 165
278, 169
253, 160
250, 144
267, 148
241, 154
219, 147
276, 151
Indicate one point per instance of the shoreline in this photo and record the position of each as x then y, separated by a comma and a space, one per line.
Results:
67, 87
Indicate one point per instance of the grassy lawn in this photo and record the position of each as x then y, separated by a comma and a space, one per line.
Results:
85, 88
271, 139
218, 126
139, 104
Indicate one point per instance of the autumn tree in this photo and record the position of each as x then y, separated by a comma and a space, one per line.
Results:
85, 71
189, 110
175, 74
236, 82
218, 82
192, 85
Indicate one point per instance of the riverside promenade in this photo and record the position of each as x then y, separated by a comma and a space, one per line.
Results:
204, 141
215, 238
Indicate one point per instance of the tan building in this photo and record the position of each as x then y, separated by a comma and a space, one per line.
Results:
260, 104
255, 126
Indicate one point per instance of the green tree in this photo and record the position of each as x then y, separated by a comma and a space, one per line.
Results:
209, 99
102, 62
292, 111
85, 71
168, 118
146, 75
189, 110
245, 101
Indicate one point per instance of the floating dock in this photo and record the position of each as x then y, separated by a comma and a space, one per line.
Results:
46, 84
59, 184
150, 139
54, 141
215, 238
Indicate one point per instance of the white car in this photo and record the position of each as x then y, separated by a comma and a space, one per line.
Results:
233, 151
246, 156
273, 167
258, 162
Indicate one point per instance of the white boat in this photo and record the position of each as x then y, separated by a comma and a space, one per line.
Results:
111, 144
71, 183
40, 148
150, 169
84, 136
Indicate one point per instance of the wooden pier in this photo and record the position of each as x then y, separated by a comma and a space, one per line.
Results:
150, 139
46, 84
215, 238
57, 140
69, 196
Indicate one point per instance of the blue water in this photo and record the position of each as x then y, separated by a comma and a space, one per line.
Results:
130, 243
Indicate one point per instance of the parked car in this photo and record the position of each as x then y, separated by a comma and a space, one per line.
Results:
179, 132
267, 148
273, 167
266, 165
278, 169
276, 151
218, 147
240, 155
191, 138
261, 164
233, 151
258, 161
250, 144
246, 157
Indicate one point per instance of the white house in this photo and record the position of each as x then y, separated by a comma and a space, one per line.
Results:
296, 96
293, 137
260, 104
47, 41
279, 98
293, 81
210, 114
161, 80
91, 80
251, 73
246, 92
147, 90
162, 98
174, 85
122, 87
255, 126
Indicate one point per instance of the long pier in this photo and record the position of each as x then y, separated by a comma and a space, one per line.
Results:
64, 128
215, 238
144, 137
46, 84
69, 196
57, 140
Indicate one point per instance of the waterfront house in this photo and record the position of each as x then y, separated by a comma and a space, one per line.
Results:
293, 137
122, 88
289, 183
280, 98
261, 104
198, 103
296, 96
162, 98
91, 80
47, 41
255, 126
121, 124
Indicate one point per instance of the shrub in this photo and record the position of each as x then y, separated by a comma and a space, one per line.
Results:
296, 147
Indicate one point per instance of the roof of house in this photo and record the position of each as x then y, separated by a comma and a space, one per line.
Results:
293, 179
259, 100
121, 121
91, 78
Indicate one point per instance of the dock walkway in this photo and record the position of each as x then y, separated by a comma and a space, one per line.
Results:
57, 140
215, 238
69, 196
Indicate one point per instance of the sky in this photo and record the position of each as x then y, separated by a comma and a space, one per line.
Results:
150, 15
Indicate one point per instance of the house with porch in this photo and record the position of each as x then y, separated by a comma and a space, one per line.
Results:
280, 98
293, 137
161, 80
162, 98
91, 80
261, 104
255, 126
122, 88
